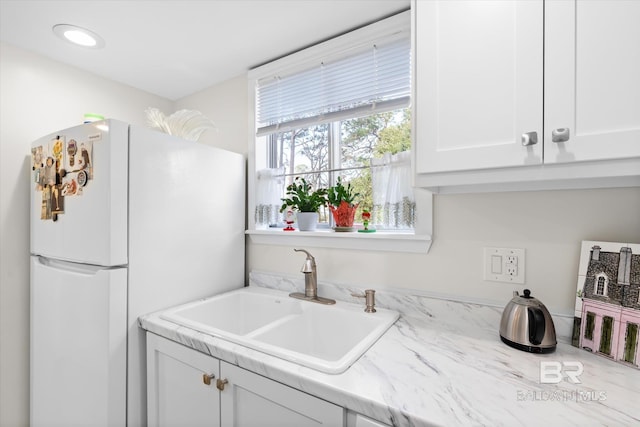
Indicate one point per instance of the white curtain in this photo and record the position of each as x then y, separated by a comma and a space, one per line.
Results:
269, 187
394, 205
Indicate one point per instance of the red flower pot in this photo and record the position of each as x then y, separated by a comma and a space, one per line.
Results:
344, 214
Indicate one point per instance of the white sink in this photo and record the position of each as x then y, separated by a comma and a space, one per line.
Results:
329, 338
235, 313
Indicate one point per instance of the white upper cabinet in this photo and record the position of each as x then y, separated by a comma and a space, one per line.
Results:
592, 80
478, 84
526, 92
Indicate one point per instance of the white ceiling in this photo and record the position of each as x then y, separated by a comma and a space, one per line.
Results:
174, 48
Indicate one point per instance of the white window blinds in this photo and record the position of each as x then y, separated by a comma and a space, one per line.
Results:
372, 78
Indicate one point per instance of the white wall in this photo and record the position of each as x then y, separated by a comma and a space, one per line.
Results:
38, 96
549, 225
226, 105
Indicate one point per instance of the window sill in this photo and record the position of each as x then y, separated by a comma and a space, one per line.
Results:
379, 241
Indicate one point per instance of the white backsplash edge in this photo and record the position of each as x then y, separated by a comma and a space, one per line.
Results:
447, 311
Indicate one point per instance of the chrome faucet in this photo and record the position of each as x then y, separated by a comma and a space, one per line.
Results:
310, 275
310, 281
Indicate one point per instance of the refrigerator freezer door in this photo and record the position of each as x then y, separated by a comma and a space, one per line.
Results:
93, 227
78, 344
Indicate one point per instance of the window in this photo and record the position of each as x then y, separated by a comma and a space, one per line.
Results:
606, 334
590, 326
630, 343
602, 283
340, 109
358, 151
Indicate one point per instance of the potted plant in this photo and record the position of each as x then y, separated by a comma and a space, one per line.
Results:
342, 205
306, 201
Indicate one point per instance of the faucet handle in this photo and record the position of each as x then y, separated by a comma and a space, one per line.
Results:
309, 263
309, 256
370, 300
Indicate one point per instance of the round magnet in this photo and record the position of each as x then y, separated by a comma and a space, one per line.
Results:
82, 178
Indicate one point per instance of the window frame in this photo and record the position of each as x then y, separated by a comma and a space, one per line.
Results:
605, 285
418, 241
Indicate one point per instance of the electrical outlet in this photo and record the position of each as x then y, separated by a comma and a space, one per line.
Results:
504, 265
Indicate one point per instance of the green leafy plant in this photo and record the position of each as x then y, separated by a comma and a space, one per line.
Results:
301, 196
339, 193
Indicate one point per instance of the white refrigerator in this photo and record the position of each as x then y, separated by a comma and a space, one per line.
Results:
124, 221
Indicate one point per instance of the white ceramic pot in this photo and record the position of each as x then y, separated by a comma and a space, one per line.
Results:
307, 221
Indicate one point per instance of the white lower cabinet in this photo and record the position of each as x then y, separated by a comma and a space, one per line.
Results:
188, 388
253, 400
176, 391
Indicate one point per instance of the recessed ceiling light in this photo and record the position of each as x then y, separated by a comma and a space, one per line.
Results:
78, 36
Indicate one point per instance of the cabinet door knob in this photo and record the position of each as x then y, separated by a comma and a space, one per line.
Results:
560, 135
220, 383
206, 378
529, 138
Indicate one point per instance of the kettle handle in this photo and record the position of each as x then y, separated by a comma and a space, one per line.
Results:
536, 325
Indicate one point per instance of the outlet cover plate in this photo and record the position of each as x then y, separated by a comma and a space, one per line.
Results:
504, 265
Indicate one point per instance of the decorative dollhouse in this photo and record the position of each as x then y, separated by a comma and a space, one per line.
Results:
607, 316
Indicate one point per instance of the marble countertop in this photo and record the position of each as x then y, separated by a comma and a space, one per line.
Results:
442, 364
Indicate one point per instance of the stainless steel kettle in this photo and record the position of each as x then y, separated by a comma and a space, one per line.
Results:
527, 325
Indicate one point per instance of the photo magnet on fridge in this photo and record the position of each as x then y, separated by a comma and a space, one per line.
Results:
57, 200
45, 207
37, 163
72, 150
57, 150
48, 173
70, 185
85, 161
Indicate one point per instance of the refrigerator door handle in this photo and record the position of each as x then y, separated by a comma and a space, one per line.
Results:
86, 269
